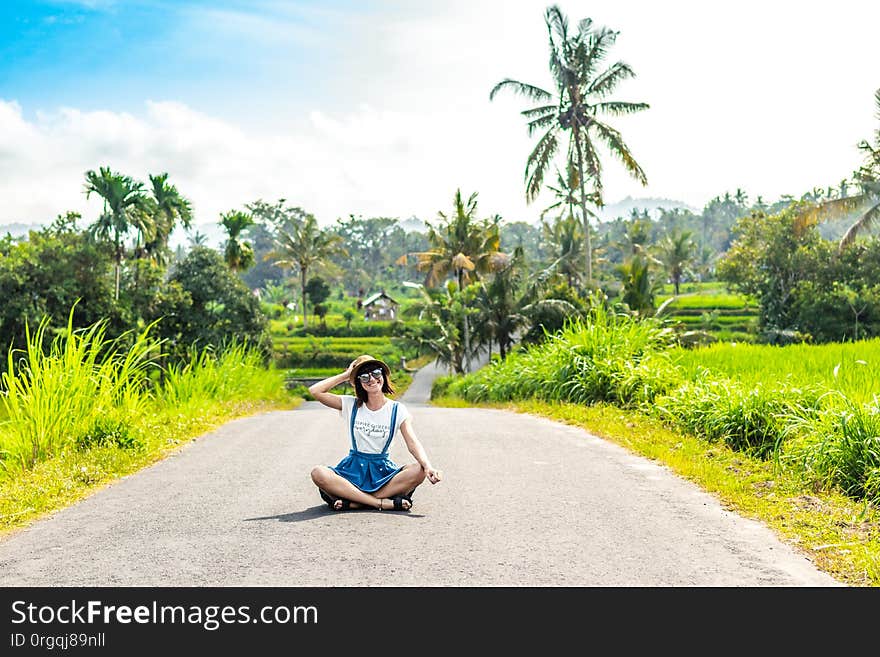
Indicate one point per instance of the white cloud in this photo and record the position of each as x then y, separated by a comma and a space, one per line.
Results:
770, 97
366, 162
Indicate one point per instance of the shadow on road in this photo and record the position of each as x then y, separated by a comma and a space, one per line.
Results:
315, 512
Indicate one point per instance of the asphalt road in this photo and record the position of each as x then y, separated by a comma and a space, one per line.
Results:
525, 502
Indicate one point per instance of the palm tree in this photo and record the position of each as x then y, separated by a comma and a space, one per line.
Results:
639, 286
865, 205
674, 252
302, 246
501, 306
125, 207
239, 255
566, 194
198, 239
581, 99
444, 309
637, 235
169, 207
565, 237
462, 247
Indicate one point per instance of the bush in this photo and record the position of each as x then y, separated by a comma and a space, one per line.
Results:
755, 420
840, 449
204, 304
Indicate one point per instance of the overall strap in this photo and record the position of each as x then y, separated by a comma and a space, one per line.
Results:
391, 432
354, 410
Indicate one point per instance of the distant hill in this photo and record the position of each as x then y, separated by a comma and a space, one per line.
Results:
18, 229
651, 204
213, 232
413, 224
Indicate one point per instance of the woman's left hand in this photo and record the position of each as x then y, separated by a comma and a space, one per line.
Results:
434, 476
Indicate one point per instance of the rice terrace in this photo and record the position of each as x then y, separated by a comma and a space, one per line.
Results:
618, 391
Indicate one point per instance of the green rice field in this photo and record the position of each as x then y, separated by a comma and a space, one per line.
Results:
853, 368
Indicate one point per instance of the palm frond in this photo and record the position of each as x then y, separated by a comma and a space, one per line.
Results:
521, 88
618, 148
838, 208
539, 111
865, 222
619, 108
537, 163
543, 122
557, 22
592, 50
607, 81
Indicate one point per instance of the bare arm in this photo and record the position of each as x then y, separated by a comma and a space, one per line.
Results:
320, 390
414, 445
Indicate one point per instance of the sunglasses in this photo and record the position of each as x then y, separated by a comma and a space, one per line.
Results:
376, 374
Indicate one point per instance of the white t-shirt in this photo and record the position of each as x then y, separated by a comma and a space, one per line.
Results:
371, 428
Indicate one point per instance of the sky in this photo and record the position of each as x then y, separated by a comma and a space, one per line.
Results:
380, 108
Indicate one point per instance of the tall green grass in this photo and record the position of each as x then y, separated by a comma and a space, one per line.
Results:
611, 357
82, 390
86, 390
235, 372
813, 409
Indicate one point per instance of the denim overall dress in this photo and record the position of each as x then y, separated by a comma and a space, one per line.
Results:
369, 472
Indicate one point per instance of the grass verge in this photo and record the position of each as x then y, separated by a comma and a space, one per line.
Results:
839, 535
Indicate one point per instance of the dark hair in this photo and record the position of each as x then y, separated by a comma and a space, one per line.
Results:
362, 396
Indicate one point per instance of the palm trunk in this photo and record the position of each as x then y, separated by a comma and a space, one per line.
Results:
587, 242
466, 333
302, 272
118, 259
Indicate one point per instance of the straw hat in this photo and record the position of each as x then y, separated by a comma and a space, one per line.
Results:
365, 359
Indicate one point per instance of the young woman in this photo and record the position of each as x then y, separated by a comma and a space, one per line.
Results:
367, 477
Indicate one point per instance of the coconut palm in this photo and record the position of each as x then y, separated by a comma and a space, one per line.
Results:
239, 255
580, 101
461, 246
198, 239
640, 287
442, 312
464, 247
675, 253
864, 205
125, 207
566, 193
302, 246
565, 239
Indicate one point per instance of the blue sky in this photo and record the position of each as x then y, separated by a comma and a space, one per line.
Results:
111, 54
380, 107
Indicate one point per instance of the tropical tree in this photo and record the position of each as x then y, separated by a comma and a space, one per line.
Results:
125, 207
510, 300
640, 287
675, 253
169, 207
577, 108
238, 254
442, 313
865, 204
565, 238
636, 236
462, 247
302, 246
198, 239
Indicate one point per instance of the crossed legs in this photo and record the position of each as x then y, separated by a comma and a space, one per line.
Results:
402, 483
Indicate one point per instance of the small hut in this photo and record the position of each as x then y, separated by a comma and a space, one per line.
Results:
379, 306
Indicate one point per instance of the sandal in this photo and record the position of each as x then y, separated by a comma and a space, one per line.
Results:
331, 501
398, 502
